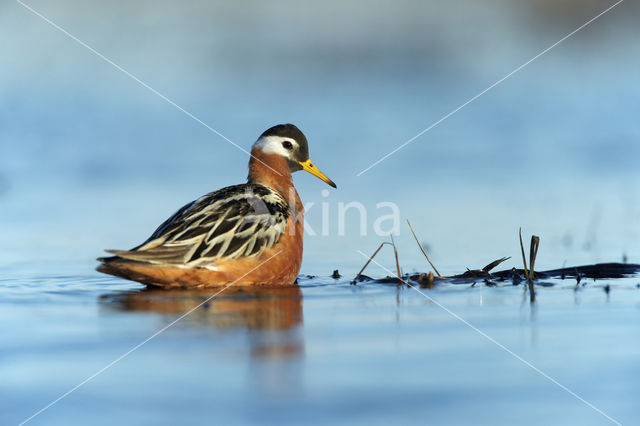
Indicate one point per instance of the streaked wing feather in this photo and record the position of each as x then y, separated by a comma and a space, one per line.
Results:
159, 254
237, 221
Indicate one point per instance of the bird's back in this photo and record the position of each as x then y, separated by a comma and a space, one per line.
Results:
234, 223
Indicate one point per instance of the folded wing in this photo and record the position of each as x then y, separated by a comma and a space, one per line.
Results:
233, 222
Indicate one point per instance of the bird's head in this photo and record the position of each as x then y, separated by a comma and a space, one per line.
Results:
289, 142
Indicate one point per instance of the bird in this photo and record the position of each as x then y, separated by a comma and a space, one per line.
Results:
246, 234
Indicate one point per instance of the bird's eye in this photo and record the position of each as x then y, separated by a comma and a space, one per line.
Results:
287, 145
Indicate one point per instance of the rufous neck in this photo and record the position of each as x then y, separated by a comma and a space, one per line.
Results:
270, 170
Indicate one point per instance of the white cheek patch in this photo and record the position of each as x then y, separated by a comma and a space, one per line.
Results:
273, 145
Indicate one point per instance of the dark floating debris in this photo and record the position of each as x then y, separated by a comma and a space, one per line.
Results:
598, 271
484, 272
361, 278
491, 279
389, 280
516, 279
489, 283
517, 276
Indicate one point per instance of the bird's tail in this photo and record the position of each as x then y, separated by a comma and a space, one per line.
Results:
128, 269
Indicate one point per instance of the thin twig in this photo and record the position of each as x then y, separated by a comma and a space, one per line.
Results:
533, 252
535, 242
524, 259
422, 250
395, 252
368, 262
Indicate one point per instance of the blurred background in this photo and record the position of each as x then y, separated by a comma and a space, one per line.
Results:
90, 159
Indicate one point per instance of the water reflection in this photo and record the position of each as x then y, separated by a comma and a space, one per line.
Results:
271, 315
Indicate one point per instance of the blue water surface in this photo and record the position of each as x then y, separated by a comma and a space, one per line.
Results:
91, 159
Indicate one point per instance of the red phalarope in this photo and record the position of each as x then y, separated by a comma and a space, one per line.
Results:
246, 234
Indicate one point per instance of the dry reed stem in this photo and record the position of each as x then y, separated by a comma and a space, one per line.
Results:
368, 262
524, 259
422, 250
395, 252
533, 252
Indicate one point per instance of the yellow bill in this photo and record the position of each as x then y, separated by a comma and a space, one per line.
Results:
309, 167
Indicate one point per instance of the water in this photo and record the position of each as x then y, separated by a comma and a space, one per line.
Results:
89, 160
324, 352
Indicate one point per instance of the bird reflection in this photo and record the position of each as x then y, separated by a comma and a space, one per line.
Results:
271, 315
